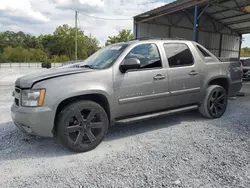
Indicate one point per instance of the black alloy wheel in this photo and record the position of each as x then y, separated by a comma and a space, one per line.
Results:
214, 103
82, 126
217, 102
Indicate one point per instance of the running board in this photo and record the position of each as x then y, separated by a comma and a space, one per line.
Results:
157, 114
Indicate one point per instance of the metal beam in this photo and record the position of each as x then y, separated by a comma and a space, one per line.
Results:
237, 4
239, 15
242, 29
215, 28
170, 21
238, 21
240, 45
195, 22
203, 11
169, 31
239, 9
220, 45
230, 8
136, 30
220, 28
246, 32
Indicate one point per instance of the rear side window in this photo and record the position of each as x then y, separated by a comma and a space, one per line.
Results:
178, 55
203, 52
148, 55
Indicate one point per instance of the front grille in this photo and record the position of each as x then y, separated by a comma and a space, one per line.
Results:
245, 71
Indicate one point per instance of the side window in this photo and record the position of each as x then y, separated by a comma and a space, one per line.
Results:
204, 52
148, 55
178, 55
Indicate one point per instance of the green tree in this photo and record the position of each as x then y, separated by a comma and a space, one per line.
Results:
17, 54
38, 55
63, 58
123, 36
245, 52
66, 37
56, 47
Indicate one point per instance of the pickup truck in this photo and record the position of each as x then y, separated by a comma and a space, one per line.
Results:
123, 83
246, 67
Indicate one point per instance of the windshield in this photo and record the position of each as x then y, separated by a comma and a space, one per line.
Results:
105, 57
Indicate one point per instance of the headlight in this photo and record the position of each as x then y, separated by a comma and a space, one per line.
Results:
33, 97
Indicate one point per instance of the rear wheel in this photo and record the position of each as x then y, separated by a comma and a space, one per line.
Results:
82, 126
215, 102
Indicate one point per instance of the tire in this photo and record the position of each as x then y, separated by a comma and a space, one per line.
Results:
215, 102
81, 126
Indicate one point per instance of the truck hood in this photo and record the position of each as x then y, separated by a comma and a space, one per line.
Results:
29, 80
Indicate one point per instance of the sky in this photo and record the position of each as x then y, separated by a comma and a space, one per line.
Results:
43, 16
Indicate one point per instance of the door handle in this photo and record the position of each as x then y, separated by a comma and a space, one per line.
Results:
193, 73
159, 77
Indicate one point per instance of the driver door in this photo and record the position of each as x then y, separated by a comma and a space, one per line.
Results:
145, 89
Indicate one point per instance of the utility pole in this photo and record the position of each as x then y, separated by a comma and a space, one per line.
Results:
76, 36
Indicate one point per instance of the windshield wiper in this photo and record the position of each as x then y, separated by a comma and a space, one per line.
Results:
88, 66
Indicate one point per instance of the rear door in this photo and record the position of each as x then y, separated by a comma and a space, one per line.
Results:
184, 74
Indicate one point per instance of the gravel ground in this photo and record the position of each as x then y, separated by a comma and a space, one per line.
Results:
184, 150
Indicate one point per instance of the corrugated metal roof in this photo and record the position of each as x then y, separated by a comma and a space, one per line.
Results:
235, 14
169, 8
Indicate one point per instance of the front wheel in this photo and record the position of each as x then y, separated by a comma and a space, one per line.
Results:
82, 126
215, 102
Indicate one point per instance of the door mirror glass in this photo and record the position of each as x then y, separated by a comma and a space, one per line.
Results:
132, 63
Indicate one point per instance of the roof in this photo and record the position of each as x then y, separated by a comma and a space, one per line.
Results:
235, 14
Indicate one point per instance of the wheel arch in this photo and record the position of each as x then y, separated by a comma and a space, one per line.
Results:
222, 81
96, 97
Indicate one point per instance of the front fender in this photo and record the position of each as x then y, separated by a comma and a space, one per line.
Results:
59, 89
82, 93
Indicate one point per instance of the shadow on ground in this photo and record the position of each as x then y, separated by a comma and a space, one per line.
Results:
125, 130
16, 145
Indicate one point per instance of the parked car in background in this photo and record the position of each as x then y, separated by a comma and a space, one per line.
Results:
46, 65
246, 67
123, 83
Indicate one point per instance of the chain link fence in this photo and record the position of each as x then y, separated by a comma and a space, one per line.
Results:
27, 65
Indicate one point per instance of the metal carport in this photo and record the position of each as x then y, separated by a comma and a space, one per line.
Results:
216, 24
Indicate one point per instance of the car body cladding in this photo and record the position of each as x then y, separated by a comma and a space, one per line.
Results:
185, 82
140, 91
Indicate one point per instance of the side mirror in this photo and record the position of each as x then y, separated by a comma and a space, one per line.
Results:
128, 64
